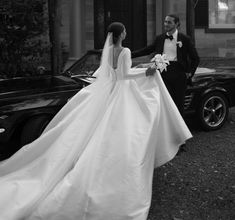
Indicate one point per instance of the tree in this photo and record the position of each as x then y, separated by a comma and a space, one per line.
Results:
22, 22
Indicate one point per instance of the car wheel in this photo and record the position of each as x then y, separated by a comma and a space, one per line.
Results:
213, 111
33, 128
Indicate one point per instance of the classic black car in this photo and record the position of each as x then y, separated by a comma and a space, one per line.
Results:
210, 96
28, 104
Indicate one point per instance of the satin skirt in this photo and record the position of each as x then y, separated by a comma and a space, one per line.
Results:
95, 160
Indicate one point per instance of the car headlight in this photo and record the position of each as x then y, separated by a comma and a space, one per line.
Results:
2, 130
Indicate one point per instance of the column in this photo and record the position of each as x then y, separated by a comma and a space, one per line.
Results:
159, 16
76, 32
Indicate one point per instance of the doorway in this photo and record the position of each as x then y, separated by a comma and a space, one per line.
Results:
132, 13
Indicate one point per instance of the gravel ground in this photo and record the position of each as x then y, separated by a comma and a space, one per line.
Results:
199, 184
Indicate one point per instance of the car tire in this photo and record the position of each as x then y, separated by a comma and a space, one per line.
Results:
38, 123
213, 111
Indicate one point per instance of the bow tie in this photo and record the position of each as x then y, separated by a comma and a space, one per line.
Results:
170, 37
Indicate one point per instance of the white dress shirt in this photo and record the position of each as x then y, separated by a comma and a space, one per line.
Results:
170, 47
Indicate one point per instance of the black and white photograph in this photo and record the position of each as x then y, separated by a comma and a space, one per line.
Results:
117, 109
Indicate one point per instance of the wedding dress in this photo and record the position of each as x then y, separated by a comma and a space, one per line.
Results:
95, 159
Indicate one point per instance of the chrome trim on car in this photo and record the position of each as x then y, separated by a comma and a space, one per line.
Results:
3, 117
188, 100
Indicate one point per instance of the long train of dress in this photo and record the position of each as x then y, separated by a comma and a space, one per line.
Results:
95, 160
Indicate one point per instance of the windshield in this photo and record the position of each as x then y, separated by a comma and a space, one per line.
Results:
87, 65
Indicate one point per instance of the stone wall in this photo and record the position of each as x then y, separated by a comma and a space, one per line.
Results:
215, 44
89, 7
151, 20
89, 25
65, 24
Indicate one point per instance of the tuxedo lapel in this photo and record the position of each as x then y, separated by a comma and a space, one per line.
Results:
161, 44
178, 50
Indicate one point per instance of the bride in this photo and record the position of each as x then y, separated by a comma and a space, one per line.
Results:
95, 160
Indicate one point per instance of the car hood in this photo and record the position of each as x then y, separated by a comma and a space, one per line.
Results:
34, 85
205, 75
218, 72
48, 91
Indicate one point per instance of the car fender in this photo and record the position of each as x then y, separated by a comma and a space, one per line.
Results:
48, 112
215, 89
34, 114
19, 120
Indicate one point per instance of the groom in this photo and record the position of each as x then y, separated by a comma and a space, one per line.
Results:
182, 55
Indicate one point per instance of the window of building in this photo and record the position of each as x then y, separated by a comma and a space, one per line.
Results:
215, 15
221, 14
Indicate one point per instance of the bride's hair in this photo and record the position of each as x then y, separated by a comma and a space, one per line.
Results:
116, 28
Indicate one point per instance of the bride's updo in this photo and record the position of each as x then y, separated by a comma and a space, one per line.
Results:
116, 28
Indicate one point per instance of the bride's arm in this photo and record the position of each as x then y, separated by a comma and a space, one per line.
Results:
126, 68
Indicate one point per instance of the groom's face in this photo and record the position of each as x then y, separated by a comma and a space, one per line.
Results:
169, 24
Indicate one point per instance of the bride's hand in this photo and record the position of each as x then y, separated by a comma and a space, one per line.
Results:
144, 65
150, 71
139, 66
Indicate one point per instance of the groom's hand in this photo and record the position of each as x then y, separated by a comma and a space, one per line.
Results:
189, 75
150, 71
189, 79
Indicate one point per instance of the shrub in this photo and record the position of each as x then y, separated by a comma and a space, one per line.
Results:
23, 36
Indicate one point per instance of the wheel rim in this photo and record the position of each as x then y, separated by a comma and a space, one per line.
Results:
214, 111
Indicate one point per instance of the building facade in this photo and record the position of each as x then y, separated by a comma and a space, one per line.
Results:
84, 23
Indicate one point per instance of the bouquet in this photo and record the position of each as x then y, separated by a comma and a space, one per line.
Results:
160, 62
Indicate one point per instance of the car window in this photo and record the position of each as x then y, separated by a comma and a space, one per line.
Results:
87, 65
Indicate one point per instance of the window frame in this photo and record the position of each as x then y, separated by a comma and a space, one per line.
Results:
212, 30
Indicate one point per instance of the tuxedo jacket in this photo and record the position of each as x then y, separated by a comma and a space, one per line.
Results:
187, 54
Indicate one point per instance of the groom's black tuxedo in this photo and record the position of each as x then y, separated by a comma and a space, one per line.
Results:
175, 76
187, 55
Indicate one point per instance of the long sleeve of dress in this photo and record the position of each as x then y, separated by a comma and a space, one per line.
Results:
126, 67
144, 51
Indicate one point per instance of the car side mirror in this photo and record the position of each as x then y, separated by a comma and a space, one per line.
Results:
41, 70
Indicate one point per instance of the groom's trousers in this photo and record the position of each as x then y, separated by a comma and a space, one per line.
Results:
176, 82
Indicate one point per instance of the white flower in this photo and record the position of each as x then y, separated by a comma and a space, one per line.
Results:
160, 62
179, 43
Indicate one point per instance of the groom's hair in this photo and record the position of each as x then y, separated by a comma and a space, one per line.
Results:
176, 18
